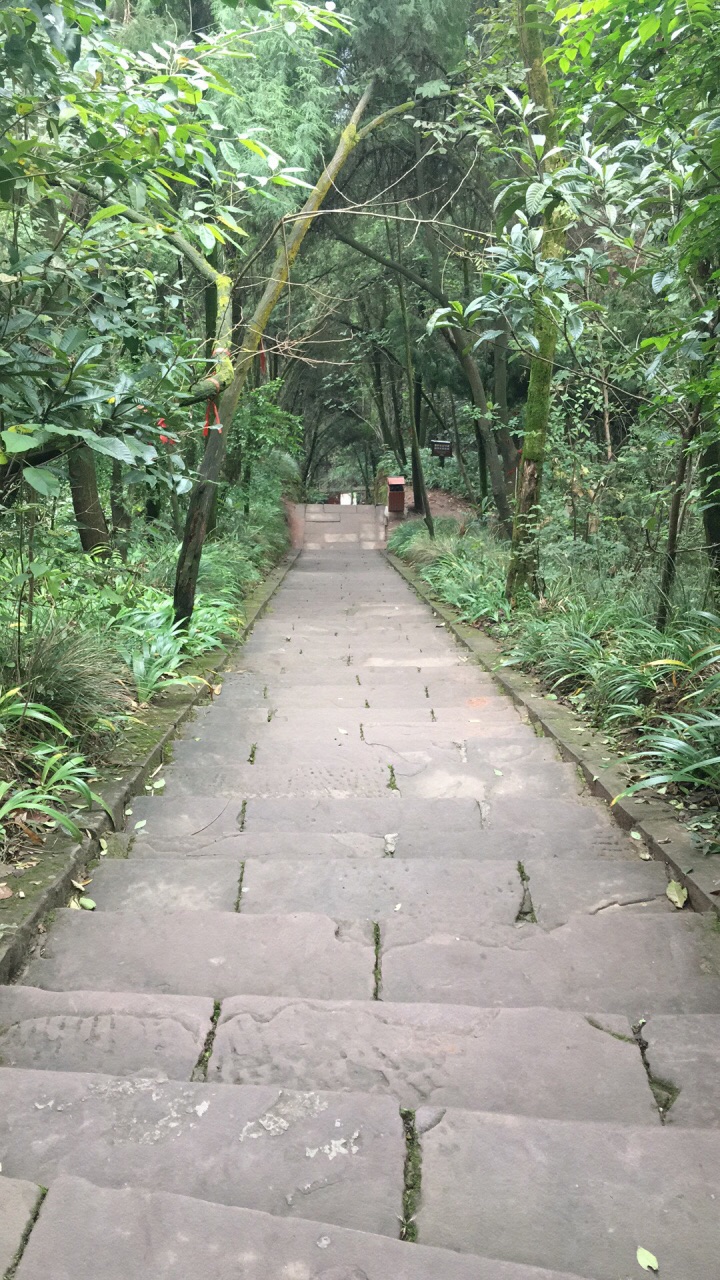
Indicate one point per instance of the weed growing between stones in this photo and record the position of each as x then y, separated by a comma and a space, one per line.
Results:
412, 1177
200, 1069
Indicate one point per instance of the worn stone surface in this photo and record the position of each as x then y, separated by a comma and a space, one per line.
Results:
561, 889
267, 844
97, 1031
18, 1204
171, 885
350, 889
506, 1060
208, 954
612, 962
332, 1157
385, 808
685, 1053
92, 1233
577, 1197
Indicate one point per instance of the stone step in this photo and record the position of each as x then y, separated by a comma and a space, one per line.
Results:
206, 953
425, 827
169, 884
86, 1232
575, 1197
536, 1062
331, 1157
18, 1205
560, 888
633, 964
348, 763
346, 880
210, 840
682, 1054
262, 844
347, 888
120, 1033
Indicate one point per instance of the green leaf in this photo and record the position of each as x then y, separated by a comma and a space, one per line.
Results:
648, 27
18, 441
87, 904
535, 197
42, 481
206, 237
647, 1260
677, 893
111, 211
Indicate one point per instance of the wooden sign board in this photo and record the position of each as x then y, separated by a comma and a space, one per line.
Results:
441, 448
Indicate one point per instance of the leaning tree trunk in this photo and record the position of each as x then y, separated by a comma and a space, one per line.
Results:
202, 495
669, 568
524, 558
710, 481
91, 523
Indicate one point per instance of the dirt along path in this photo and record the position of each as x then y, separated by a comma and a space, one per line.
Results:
377, 993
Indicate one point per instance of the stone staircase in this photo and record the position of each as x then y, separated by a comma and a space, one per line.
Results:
366, 998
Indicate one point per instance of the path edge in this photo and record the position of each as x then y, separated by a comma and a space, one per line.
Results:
68, 856
653, 819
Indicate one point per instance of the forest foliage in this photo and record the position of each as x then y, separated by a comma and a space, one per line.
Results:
252, 251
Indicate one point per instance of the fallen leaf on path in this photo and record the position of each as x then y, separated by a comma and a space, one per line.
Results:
635, 835
87, 904
647, 1260
5, 892
646, 855
677, 894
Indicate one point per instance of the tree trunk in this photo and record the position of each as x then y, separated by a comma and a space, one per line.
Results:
119, 514
211, 466
524, 558
460, 341
91, 523
670, 557
506, 444
710, 481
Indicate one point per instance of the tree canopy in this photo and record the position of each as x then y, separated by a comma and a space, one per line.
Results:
260, 249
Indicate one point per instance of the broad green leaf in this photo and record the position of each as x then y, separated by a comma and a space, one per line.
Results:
19, 441
648, 27
42, 481
677, 893
112, 211
647, 1260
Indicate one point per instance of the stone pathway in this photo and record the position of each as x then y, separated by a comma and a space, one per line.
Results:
368, 976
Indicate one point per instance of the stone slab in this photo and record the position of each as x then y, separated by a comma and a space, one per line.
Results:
207, 953
685, 1052
560, 889
18, 1204
93, 1233
350, 889
577, 1197
266, 844
95, 1031
441, 818
170, 884
330, 1157
535, 1062
611, 962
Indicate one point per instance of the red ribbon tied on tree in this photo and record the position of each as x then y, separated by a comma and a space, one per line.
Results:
217, 425
165, 439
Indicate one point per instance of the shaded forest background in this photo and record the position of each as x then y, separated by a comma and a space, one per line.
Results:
259, 252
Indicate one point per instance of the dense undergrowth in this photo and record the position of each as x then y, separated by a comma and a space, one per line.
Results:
655, 694
87, 643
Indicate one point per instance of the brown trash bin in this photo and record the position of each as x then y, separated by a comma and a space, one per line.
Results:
396, 495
